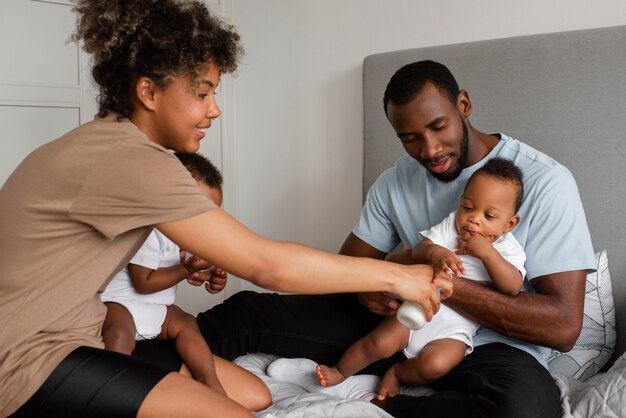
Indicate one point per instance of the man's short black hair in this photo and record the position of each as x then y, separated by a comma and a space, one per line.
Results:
201, 169
505, 170
409, 80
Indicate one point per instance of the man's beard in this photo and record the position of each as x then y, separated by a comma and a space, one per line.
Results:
460, 165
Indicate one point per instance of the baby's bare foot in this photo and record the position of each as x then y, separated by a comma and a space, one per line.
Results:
389, 385
329, 376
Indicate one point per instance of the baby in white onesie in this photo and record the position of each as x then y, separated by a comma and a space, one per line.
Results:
475, 242
140, 298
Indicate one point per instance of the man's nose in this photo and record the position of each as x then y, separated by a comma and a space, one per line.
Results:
431, 147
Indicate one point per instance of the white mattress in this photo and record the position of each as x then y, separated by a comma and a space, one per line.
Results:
602, 396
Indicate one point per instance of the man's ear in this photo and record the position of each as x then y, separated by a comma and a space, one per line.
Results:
145, 90
512, 223
464, 104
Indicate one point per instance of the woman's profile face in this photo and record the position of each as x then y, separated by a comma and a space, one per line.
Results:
185, 110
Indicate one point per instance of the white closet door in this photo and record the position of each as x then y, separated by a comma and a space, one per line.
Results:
40, 86
45, 85
46, 90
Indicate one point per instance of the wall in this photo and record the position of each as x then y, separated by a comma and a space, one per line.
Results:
298, 121
292, 126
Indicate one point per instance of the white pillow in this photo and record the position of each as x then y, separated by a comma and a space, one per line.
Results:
596, 342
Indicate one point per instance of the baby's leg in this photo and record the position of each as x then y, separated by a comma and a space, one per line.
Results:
181, 327
434, 361
384, 341
118, 330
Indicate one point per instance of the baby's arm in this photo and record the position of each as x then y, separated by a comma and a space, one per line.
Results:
146, 280
504, 275
442, 259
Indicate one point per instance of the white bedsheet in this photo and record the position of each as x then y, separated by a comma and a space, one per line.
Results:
291, 401
601, 396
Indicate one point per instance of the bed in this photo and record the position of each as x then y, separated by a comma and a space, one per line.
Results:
565, 94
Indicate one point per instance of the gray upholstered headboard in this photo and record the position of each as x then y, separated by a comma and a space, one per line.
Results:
562, 93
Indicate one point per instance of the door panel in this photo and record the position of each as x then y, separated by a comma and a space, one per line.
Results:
46, 90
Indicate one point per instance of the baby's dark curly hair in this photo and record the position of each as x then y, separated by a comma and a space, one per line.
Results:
201, 169
409, 80
129, 39
505, 170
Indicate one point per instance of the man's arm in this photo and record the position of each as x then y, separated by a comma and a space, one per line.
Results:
376, 302
356, 247
551, 317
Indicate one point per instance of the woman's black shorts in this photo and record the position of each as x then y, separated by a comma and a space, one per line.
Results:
94, 383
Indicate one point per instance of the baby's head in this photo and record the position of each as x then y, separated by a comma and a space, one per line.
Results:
205, 173
491, 199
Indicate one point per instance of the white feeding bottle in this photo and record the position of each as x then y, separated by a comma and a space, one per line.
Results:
411, 315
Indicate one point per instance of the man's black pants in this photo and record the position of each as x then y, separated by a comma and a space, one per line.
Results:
495, 380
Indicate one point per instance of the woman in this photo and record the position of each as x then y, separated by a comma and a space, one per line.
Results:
75, 211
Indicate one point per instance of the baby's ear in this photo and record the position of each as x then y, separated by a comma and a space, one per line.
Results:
512, 223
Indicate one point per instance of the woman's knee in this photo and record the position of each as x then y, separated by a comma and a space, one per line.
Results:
259, 398
177, 395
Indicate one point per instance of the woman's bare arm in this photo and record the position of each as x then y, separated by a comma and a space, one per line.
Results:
291, 267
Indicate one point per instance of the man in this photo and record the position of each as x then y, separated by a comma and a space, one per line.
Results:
506, 375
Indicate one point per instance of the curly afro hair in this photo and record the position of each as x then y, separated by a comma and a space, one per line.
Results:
129, 39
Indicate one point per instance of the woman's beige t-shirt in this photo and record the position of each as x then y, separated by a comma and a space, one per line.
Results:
71, 216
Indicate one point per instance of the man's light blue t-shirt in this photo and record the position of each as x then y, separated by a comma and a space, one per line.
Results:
407, 199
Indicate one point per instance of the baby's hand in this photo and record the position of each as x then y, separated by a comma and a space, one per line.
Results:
200, 277
214, 279
446, 262
474, 244
193, 263
217, 282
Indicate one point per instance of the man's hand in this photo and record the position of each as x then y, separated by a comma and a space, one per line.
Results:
379, 303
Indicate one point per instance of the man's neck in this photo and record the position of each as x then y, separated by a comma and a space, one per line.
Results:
480, 145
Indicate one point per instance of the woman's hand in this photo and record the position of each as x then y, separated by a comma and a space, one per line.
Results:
421, 285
